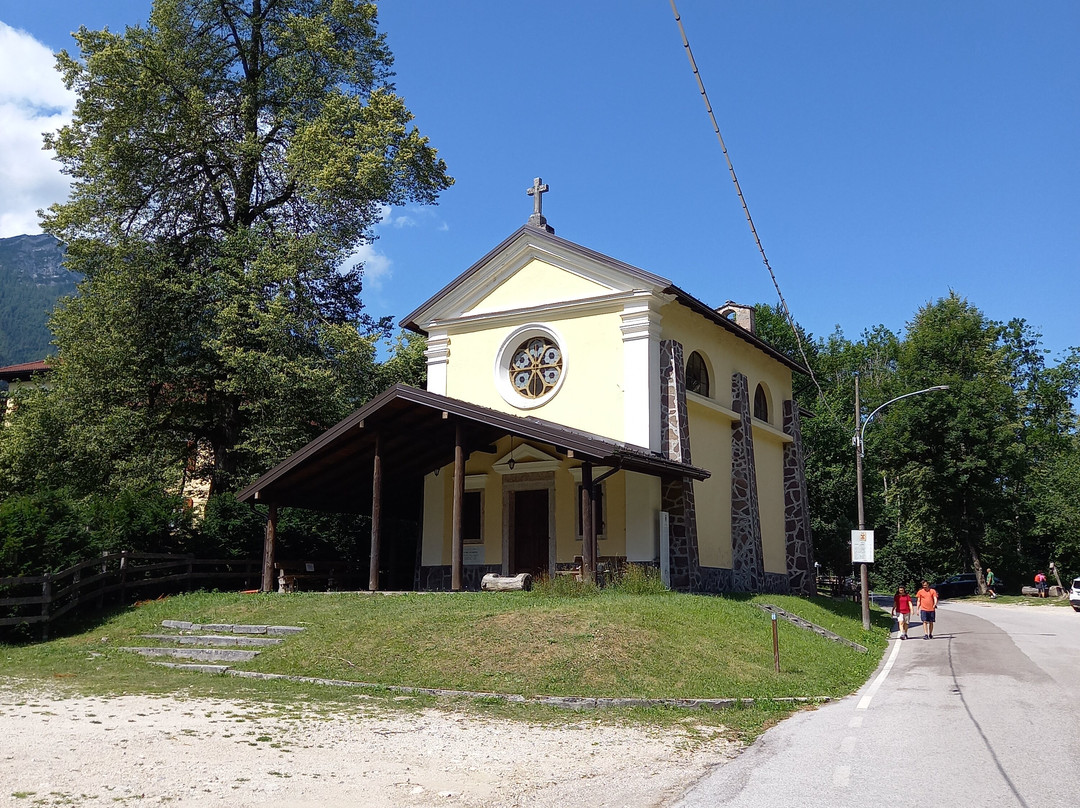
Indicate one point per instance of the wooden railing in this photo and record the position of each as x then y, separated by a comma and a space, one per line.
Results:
836, 587
116, 577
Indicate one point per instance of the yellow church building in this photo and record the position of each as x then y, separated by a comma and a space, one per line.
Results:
580, 413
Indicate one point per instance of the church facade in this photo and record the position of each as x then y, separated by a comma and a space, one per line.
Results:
544, 327
594, 377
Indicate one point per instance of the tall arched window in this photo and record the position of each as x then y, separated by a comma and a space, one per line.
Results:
697, 375
761, 404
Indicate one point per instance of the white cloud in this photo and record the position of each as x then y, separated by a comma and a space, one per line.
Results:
33, 100
377, 267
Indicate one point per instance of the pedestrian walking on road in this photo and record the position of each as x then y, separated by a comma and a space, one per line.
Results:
1040, 583
901, 610
991, 583
927, 599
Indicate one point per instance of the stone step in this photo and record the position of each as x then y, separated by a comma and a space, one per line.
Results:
231, 628
200, 654
195, 667
214, 639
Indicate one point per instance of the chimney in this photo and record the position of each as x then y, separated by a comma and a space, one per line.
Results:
742, 316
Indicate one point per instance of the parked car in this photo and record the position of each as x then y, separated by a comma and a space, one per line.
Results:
958, 585
1074, 594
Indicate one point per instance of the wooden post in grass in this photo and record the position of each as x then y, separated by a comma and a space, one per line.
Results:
457, 550
775, 644
588, 527
376, 515
269, 540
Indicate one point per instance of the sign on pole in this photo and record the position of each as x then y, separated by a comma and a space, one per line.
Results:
862, 547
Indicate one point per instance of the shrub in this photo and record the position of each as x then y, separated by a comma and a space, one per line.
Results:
42, 532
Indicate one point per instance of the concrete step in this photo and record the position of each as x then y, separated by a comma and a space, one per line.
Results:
214, 639
200, 654
197, 668
230, 628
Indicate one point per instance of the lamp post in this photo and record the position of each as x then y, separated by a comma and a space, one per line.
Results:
857, 441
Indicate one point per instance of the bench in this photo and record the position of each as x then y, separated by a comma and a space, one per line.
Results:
290, 574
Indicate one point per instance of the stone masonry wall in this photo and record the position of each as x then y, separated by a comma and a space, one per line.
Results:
800, 544
677, 495
746, 551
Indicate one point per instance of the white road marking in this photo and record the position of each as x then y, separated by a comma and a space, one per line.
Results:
855, 722
864, 702
841, 776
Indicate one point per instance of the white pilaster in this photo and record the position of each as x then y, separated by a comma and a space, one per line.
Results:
438, 357
641, 373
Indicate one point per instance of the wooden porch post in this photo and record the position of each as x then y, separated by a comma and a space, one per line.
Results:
270, 538
456, 551
376, 515
588, 527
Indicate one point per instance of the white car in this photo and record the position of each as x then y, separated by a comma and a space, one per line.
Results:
1074, 594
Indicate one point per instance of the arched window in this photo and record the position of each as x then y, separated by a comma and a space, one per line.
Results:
761, 404
697, 375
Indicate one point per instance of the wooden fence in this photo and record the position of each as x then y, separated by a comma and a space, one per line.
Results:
116, 577
834, 586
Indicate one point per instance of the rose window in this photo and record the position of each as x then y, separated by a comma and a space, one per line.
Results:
535, 367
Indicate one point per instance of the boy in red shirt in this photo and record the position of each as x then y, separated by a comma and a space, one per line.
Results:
927, 599
901, 610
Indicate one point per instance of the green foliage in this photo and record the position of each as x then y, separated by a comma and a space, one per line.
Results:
226, 160
639, 579
981, 475
564, 586
52, 529
231, 529
41, 532
407, 363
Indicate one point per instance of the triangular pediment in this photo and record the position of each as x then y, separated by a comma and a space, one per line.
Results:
523, 459
533, 270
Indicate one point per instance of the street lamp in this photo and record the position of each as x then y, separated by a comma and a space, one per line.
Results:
860, 449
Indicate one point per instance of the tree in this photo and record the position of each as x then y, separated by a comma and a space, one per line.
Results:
225, 159
957, 457
828, 396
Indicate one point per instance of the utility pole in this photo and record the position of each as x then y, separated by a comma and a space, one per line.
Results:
864, 573
858, 440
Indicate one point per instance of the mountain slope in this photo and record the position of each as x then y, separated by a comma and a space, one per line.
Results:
32, 279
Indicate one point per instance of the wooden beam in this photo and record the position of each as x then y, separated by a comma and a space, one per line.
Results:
456, 548
376, 515
269, 540
588, 525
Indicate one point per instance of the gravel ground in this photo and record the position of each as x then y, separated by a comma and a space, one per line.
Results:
140, 751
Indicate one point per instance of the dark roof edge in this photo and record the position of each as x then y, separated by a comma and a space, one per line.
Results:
688, 300
24, 371
712, 314
595, 446
409, 321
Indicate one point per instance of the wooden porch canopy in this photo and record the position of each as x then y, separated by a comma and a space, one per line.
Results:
405, 433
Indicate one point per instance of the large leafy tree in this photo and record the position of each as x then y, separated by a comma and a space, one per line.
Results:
226, 158
984, 474
956, 457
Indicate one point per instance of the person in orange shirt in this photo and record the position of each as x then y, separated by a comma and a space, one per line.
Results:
927, 599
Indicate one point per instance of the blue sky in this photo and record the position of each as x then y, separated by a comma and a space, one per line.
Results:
889, 152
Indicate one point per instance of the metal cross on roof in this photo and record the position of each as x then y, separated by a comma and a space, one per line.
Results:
536, 192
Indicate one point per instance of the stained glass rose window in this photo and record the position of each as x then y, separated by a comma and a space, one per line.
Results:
535, 367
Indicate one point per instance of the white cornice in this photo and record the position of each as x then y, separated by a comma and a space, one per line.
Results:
615, 302
484, 278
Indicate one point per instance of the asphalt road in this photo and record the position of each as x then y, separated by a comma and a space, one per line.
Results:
986, 713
